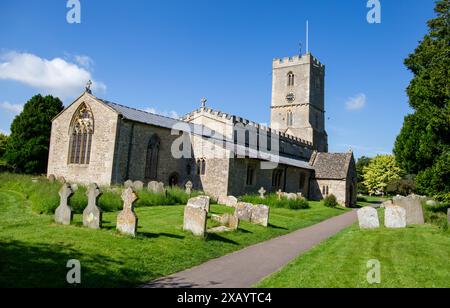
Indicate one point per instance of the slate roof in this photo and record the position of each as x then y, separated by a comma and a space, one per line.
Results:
331, 166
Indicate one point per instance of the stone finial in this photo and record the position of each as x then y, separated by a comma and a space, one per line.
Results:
88, 87
204, 100
127, 220
262, 193
188, 187
92, 214
64, 213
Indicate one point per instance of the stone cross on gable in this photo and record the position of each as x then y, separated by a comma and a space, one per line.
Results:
127, 220
204, 100
262, 193
64, 213
92, 215
88, 86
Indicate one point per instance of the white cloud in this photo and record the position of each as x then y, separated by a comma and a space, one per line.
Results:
170, 114
57, 76
357, 102
84, 61
14, 108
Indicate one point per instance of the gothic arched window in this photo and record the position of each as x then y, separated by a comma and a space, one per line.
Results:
82, 129
151, 163
291, 79
201, 166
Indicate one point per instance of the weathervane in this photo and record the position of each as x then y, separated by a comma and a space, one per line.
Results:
204, 100
88, 87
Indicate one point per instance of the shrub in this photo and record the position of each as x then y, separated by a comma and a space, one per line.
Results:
272, 200
330, 201
437, 215
402, 187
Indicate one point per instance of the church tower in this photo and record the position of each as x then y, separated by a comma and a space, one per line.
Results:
298, 95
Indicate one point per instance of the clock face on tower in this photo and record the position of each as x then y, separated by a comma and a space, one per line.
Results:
290, 97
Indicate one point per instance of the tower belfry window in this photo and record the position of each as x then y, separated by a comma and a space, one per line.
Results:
291, 79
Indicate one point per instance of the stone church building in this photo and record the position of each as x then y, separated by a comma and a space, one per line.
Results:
97, 141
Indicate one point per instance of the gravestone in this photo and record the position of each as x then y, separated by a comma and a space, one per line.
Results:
368, 218
300, 195
244, 211
260, 215
229, 201
138, 185
200, 201
387, 203
280, 194
188, 187
431, 202
62, 180
64, 212
127, 221
52, 178
92, 214
156, 187
228, 220
291, 196
128, 184
262, 193
195, 218
395, 217
413, 207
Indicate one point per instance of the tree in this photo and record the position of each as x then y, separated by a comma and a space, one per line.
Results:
28, 144
382, 170
3, 141
436, 179
360, 164
425, 136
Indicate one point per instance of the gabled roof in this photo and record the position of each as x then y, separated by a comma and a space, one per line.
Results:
331, 166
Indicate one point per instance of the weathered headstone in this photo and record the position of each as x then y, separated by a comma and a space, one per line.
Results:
291, 196
395, 217
195, 218
188, 187
128, 184
64, 212
413, 207
156, 187
229, 201
62, 180
244, 211
138, 185
228, 220
52, 178
127, 221
200, 201
262, 193
92, 214
260, 215
368, 218
387, 203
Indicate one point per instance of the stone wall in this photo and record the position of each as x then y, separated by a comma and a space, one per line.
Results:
100, 167
335, 187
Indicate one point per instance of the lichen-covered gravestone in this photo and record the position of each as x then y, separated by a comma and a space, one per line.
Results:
229, 201
413, 207
368, 218
195, 218
156, 187
188, 187
138, 185
244, 211
228, 220
128, 184
92, 214
52, 178
64, 212
395, 217
200, 201
262, 193
127, 221
260, 215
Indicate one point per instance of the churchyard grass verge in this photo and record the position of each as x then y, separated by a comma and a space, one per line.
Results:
414, 257
272, 200
34, 250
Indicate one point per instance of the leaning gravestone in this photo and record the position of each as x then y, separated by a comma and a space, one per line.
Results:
228, 220
92, 214
127, 220
52, 178
128, 184
260, 215
368, 218
229, 201
395, 217
413, 207
195, 218
244, 211
64, 212
138, 185
200, 201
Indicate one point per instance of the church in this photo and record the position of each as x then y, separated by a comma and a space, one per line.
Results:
98, 141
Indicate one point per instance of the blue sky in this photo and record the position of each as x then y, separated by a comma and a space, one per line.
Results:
166, 55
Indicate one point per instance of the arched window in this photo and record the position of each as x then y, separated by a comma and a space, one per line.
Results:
290, 118
277, 176
82, 129
151, 163
291, 79
201, 166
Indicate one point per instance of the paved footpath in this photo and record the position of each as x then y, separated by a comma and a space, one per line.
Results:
248, 266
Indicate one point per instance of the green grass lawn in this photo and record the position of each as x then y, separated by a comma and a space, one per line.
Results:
418, 256
34, 251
